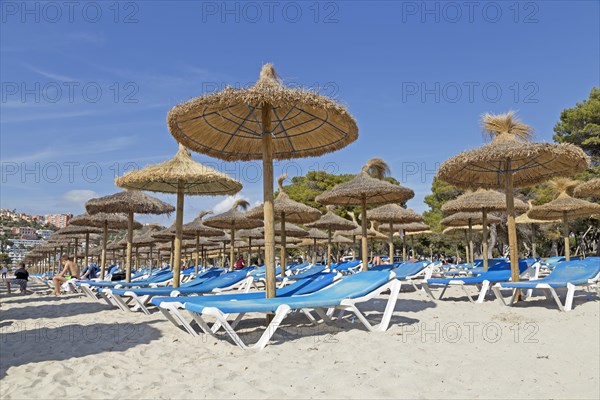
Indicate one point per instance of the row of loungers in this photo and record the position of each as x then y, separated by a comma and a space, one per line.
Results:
193, 308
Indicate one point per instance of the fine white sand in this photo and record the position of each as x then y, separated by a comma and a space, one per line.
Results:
72, 347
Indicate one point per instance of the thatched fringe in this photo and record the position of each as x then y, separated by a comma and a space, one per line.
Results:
507, 123
203, 214
353, 216
268, 74
376, 168
330, 208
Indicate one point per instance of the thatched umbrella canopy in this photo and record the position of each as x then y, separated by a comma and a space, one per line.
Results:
469, 219
105, 221
198, 228
484, 201
393, 214
264, 121
286, 210
183, 176
77, 232
590, 188
315, 234
233, 220
524, 219
366, 189
510, 161
331, 222
129, 202
564, 206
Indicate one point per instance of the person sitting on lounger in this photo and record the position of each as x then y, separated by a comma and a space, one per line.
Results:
21, 277
69, 269
239, 264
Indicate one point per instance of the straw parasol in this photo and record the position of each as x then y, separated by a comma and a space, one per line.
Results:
198, 228
181, 175
266, 121
78, 232
484, 201
393, 214
232, 220
564, 206
524, 219
315, 235
590, 188
331, 222
105, 221
130, 202
469, 219
365, 189
255, 233
510, 161
286, 210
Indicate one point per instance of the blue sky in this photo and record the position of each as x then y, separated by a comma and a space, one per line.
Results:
86, 90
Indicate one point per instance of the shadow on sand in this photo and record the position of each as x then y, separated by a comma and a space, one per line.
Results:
53, 310
21, 344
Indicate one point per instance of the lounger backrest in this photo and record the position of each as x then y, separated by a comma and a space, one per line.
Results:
410, 269
315, 269
572, 271
222, 281
554, 260
201, 278
308, 285
354, 286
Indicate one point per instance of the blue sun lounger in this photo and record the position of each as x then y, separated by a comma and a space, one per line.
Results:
348, 267
344, 295
312, 270
171, 306
499, 273
211, 281
566, 274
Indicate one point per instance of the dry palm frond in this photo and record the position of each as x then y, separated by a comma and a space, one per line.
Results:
563, 185
376, 168
240, 204
203, 214
508, 123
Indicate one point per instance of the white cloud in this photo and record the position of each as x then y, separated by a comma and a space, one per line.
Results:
78, 197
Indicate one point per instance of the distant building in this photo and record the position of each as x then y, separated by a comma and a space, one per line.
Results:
27, 233
44, 233
58, 220
26, 242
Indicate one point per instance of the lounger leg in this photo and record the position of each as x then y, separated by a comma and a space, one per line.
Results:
443, 291
427, 290
169, 316
141, 302
108, 301
485, 287
309, 316
498, 294
467, 293
121, 303
557, 299
570, 295
323, 315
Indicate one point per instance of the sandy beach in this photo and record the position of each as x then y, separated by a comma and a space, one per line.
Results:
72, 347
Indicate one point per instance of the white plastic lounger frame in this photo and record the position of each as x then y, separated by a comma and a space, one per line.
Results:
140, 301
483, 288
551, 293
393, 285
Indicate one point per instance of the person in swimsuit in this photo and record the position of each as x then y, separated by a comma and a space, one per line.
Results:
69, 268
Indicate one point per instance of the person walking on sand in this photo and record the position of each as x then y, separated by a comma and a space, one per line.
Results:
69, 268
4, 272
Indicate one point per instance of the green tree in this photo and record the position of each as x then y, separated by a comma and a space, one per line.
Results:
580, 125
441, 192
5, 259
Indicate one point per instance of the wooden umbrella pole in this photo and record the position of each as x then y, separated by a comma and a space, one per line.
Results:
484, 242
533, 247
391, 234
103, 256
314, 258
178, 228
467, 246
267, 148
151, 260
232, 250
171, 254
329, 248
354, 247
249, 250
403, 246
566, 236
87, 248
283, 255
76, 247
203, 256
471, 256
129, 241
224, 251
364, 250
197, 250
137, 257
512, 227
